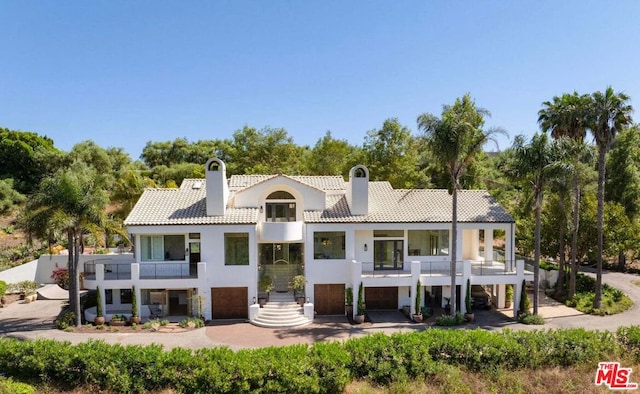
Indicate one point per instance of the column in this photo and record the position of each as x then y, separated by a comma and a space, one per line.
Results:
488, 245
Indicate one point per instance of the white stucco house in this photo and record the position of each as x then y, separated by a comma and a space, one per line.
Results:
204, 247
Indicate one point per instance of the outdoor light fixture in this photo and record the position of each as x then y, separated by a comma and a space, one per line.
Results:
261, 209
365, 247
254, 300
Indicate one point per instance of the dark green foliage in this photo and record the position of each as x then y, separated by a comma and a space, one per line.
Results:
8, 197
98, 303
525, 304
418, 297
450, 320
361, 299
531, 318
321, 368
3, 288
8, 386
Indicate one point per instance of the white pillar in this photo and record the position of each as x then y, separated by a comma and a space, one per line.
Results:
500, 295
308, 311
488, 245
135, 272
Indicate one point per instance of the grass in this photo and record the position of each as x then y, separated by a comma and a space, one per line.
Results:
457, 380
636, 282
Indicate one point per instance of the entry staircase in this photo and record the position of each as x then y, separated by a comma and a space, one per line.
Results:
281, 311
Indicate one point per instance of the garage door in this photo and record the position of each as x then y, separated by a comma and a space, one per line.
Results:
229, 302
329, 299
381, 298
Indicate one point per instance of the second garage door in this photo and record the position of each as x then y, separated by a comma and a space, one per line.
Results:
381, 298
229, 302
329, 299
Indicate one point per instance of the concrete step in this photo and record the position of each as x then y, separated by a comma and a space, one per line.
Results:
281, 314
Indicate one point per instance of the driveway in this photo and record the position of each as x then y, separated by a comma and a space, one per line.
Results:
35, 320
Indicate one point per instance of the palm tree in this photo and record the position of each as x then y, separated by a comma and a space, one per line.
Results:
566, 116
72, 202
456, 139
535, 163
609, 113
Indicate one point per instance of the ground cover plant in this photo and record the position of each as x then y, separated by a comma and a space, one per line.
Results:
377, 360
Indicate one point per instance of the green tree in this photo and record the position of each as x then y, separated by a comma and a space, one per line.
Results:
330, 156
455, 140
566, 116
70, 201
26, 157
533, 163
623, 183
609, 113
391, 153
9, 197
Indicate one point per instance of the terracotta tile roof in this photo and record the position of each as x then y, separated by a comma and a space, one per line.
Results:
186, 205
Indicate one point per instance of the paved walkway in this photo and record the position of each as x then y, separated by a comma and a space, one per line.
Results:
34, 320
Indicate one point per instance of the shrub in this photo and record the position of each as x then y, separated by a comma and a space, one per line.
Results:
450, 320
27, 287
525, 303
66, 320
418, 297
3, 288
530, 318
191, 322
361, 299
98, 303
8, 386
629, 338
61, 277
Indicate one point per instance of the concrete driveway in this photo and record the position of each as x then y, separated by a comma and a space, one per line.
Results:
35, 320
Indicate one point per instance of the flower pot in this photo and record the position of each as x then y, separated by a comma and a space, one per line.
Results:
117, 323
507, 304
417, 318
99, 320
134, 319
359, 319
469, 317
348, 310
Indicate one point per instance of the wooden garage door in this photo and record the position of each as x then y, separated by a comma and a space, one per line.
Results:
229, 302
329, 299
381, 298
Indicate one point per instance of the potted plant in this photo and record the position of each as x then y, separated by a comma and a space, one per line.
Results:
508, 296
417, 316
135, 318
359, 318
99, 320
265, 285
297, 283
525, 304
447, 308
117, 320
468, 316
348, 301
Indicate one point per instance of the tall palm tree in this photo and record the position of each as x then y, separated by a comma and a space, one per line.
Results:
609, 113
71, 202
456, 139
566, 116
534, 162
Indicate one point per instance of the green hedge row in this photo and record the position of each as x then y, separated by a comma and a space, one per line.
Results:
320, 368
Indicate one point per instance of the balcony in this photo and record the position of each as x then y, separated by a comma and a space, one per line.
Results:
280, 231
103, 270
440, 269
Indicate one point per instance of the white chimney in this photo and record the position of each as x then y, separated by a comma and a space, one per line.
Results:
217, 187
358, 190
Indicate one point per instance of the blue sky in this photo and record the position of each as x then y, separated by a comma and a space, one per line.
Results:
122, 73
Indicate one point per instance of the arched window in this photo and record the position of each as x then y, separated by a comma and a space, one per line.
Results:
214, 166
360, 173
281, 207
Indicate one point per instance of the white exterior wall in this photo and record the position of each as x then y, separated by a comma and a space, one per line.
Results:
307, 198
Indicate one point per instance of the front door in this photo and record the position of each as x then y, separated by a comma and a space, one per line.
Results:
388, 255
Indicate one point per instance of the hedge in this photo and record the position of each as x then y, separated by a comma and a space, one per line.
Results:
319, 368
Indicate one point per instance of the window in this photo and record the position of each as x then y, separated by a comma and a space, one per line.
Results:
428, 242
329, 245
236, 248
282, 208
125, 296
108, 296
162, 247
152, 296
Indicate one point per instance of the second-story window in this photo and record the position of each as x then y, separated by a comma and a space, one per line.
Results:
280, 207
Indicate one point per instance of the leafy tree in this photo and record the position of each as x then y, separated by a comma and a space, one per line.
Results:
26, 157
177, 173
623, 183
70, 201
266, 151
534, 164
9, 197
128, 188
330, 156
566, 116
391, 154
455, 140
609, 113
